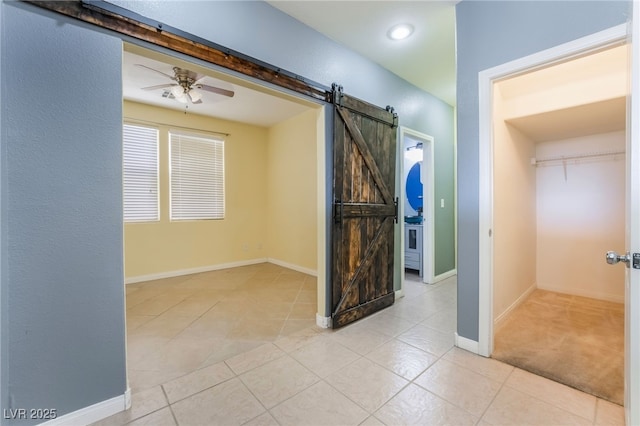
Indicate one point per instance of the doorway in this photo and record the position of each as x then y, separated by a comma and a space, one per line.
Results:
198, 280
558, 133
417, 206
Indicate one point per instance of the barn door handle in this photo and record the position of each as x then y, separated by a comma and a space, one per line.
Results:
337, 211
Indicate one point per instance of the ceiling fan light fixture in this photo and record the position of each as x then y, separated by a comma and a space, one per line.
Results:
177, 92
195, 95
400, 31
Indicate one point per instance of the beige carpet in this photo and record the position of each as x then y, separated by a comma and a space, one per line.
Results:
573, 340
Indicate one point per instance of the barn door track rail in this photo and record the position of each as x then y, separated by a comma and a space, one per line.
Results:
123, 21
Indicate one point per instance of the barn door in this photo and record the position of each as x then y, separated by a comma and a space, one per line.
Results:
364, 210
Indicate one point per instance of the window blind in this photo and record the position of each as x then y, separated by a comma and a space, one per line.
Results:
140, 173
197, 176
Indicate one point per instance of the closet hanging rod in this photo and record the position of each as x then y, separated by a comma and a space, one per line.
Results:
535, 161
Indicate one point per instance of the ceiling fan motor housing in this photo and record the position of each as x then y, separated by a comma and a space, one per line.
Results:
185, 78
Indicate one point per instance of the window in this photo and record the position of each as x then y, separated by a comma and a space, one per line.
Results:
140, 173
197, 176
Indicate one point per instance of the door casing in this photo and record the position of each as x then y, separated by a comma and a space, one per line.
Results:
428, 194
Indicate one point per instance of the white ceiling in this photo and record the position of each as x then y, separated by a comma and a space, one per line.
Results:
575, 98
251, 103
426, 59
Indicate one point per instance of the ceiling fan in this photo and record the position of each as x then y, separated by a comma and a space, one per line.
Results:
187, 86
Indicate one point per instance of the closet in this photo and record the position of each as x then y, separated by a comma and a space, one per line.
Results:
559, 202
559, 140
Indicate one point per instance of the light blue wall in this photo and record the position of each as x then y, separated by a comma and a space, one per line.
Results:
490, 33
61, 217
4, 311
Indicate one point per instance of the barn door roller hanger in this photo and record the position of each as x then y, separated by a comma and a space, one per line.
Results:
338, 99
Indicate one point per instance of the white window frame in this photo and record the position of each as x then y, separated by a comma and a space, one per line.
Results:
196, 176
139, 189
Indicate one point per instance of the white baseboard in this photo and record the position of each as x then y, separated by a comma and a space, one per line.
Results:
288, 265
514, 305
92, 413
180, 272
127, 399
208, 268
399, 294
584, 293
444, 276
323, 322
467, 344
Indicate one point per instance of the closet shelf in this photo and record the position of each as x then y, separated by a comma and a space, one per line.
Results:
536, 161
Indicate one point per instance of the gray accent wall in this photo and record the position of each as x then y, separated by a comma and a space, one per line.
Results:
491, 33
63, 343
4, 311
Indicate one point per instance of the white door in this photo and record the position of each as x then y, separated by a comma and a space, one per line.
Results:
632, 320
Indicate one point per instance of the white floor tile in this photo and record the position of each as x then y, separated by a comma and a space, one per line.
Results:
429, 340
246, 361
403, 359
278, 380
494, 370
229, 403
416, 406
564, 397
324, 356
367, 383
197, 381
461, 387
319, 405
512, 407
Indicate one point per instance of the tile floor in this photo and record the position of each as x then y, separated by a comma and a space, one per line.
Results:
396, 367
177, 325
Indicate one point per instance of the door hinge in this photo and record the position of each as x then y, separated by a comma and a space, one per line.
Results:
395, 207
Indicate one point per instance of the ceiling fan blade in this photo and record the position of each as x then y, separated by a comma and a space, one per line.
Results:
159, 86
218, 90
154, 70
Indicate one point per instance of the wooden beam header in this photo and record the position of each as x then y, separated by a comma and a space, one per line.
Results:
124, 22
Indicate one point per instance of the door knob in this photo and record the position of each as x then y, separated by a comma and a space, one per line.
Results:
613, 258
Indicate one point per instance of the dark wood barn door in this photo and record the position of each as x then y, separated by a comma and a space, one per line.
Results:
364, 209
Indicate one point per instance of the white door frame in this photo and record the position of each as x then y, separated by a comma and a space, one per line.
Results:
428, 194
486, 79
632, 287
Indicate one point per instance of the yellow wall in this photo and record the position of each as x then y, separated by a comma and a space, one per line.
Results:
514, 213
155, 248
292, 191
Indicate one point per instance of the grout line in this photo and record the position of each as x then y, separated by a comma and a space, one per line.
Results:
502, 386
175, 419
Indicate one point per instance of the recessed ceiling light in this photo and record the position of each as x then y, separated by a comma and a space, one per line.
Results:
400, 31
